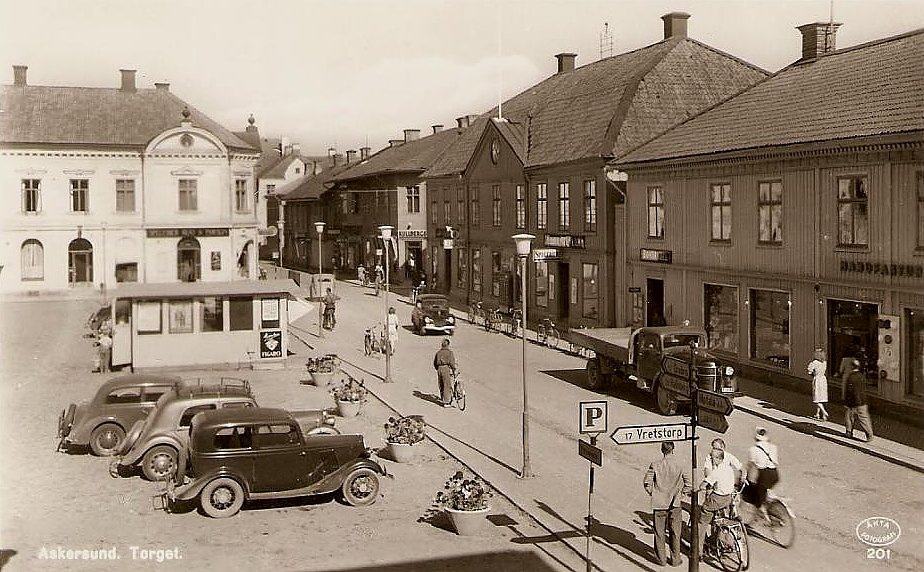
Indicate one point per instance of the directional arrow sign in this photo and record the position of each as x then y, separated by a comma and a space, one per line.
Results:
650, 433
712, 420
675, 384
721, 404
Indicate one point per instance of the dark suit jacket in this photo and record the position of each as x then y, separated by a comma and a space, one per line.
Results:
666, 481
855, 389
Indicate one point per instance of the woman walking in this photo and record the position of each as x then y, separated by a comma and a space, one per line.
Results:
816, 369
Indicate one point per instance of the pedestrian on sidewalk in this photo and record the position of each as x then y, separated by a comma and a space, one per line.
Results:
392, 327
105, 350
444, 362
666, 482
854, 394
817, 368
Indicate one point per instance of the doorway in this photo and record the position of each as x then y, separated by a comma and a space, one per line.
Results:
655, 310
853, 332
189, 268
447, 272
564, 281
80, 261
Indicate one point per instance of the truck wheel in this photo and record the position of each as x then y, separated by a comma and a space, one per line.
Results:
664, 401
594, 377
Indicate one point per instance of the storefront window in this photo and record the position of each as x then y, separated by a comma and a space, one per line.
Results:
590, 291
721, 317
241, 314
181, 316
915, 321
495, 274
149, 317
476, 270
212, 314
542, 284
462, 274
269, 312
770, 327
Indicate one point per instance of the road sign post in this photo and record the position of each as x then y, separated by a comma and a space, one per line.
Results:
592, 418
715, 402
634, 434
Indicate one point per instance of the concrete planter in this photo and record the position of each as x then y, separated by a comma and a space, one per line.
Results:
468, 522
322, 379
400, 452
349, 408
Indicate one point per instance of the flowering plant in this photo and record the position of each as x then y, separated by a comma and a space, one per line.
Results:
405, 430
350, 390
323, 364
461, 493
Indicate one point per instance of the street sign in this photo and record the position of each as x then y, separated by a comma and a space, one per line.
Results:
675, 384
593, 417
650, 433
712, 420
721, 404
591, 453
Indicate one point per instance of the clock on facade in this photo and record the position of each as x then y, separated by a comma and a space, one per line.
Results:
186, 140
495, 151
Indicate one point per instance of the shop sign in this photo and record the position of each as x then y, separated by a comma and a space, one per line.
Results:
333, 231
268, 231
412, 234
178, 232
447, 243
564, 241
655, 255
883, 269
270, 343
543, 254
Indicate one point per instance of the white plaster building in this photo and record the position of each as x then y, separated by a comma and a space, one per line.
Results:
120, 185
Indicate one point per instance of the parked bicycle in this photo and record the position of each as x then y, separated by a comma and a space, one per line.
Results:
458, 391
547, 333
493, 320
514, 322
330, 319
728, 542
475, 311
372, 341
778, 526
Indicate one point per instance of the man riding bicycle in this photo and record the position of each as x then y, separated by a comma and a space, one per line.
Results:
444, 362
719, 485
330, 308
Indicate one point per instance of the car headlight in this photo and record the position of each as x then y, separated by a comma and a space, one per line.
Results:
451, 319
428, 319
729, 371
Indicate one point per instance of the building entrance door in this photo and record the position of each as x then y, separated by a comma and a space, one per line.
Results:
853, 332
447, 272
655, 313
564, 302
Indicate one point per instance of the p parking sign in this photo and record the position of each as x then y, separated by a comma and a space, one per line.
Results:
593, 417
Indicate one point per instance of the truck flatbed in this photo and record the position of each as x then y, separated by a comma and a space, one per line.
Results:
610, 342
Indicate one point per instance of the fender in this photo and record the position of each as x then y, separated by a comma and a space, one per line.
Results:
191, 490
139, 449
334, 480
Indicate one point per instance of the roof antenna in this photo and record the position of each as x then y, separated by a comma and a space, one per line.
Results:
500, 63
606, 41
829, 29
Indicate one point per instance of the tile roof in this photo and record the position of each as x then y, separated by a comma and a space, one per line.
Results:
310, 187
871, 89
97, 116
277, 170
613, 104
411, 157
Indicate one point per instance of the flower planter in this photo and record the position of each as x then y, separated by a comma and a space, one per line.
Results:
468, 522
321, 379
400, 452
349, 408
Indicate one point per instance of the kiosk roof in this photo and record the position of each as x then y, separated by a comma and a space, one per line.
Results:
196, 289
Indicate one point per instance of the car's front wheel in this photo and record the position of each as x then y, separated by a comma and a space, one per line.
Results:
222, 498
361, 487
159, 463
106, 439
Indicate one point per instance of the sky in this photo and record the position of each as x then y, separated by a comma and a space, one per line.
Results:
353, 73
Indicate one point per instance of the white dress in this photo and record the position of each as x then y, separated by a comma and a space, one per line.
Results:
819, 381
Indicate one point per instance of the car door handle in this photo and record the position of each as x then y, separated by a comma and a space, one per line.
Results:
303, 454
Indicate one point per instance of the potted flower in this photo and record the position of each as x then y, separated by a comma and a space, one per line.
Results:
322, 369
465, 500
350, 396
401, 434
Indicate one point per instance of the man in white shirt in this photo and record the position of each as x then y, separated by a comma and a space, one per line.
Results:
719, 484
729, 459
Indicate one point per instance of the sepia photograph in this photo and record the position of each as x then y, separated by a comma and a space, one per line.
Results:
462, 285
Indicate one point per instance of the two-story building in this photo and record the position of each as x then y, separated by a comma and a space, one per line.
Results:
120, 185
536, 164
791, 217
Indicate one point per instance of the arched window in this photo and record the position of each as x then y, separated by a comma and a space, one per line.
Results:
188, 260
79, 261
33, 260
243, 260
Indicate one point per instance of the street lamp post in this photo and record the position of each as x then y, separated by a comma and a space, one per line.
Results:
386, 237
524, 244
319, 226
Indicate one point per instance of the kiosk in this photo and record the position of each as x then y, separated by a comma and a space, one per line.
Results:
202, 323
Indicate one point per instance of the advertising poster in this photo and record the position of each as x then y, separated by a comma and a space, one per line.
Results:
270, 343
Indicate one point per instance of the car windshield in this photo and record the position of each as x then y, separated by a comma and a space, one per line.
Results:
675, 340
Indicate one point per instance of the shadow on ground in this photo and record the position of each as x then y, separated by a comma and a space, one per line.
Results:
506, 561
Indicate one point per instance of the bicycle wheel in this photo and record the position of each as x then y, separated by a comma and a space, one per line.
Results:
782, 527
471, 315
459, 395
728, 549
742, 533
553, 338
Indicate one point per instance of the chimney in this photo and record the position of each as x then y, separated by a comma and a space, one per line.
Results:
675, 25
437, 128
462, 122
411, 135
128, 80
296, 148
335, 158
19, 75
565, 62
364, 153
471, 119
351, 155
818, 39
251, 123
161, 86
395, 142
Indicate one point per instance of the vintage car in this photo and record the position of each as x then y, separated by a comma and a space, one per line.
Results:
119, 403
154, 443
262, 453
431, 314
